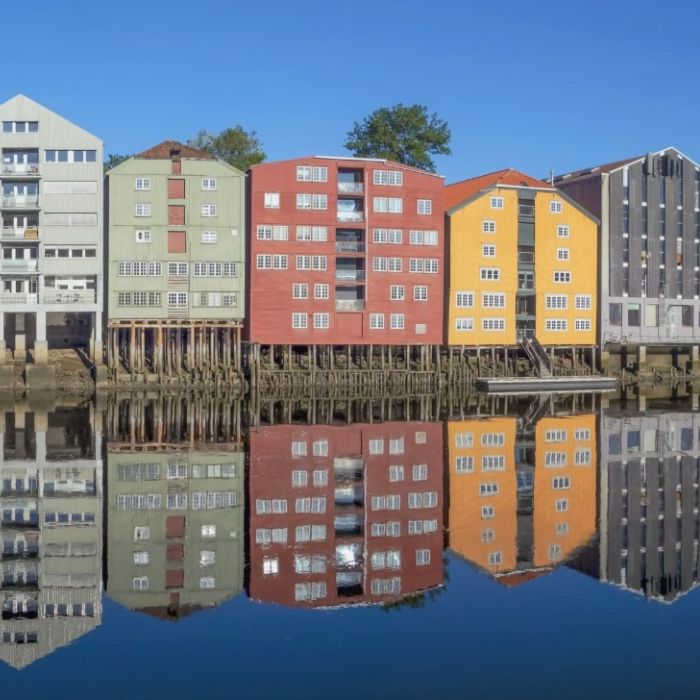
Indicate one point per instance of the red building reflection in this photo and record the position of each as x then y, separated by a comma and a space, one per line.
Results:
345, 515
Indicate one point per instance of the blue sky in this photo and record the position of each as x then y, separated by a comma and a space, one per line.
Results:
534, 85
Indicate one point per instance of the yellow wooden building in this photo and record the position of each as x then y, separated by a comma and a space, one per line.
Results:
522, 261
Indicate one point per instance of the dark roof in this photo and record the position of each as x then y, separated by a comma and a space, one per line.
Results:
167, 149
594, 170
459, 192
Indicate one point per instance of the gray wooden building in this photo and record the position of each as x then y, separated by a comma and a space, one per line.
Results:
649, 298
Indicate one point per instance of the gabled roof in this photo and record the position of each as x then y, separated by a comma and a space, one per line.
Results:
167, 149
458, 192
611, 167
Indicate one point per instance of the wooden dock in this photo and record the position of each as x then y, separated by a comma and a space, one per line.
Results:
529, 385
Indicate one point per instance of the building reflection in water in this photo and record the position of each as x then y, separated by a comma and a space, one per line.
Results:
649, 522
51, 474
345, 515
522, 491
175, 474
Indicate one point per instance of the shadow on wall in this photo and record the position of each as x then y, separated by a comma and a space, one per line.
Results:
68, 330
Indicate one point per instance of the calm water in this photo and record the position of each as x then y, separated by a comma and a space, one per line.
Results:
172, 548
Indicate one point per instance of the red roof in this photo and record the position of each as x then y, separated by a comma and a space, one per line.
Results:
516, 578
594, 170
167, 149
460, 191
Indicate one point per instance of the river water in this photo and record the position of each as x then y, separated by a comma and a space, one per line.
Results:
195, 548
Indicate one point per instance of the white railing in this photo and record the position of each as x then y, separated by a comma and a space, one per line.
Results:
67, 296
350, 216
349, 304
350, 187
18, 298
21, 200
29, 233
18, 265
20, 168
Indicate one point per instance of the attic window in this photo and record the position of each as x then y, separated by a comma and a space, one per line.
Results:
174, 153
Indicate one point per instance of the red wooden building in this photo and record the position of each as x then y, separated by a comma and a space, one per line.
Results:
345, 515
345, 251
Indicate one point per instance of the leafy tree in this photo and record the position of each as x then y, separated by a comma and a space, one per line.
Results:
236, 146
113, 159
404, 133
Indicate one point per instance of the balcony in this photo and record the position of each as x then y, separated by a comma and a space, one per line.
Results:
26, 169
8, 266
68, 296
350, 305
349, 247
20, 201
348, 275
351, 188
526, 209
354, 216
10, 233
18, 298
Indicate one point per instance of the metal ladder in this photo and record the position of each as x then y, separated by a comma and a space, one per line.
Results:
537, 355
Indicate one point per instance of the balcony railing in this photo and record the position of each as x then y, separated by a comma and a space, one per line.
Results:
352, 275
20, 169
18, 298
21, 201
350, 305
526, 210
350, 216
67, 296
30, 233
19, 265
351, 187
349, 247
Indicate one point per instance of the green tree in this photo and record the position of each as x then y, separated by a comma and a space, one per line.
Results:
236, 146
404, 133
113, 159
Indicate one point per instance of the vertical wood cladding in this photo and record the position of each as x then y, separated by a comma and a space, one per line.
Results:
635, 231
616, 240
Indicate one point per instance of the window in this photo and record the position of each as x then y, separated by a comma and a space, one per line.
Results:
69, 156
387, 177
207, 582
488, 512
272, 200
425, 206
497, 203
376, 321
495, 558
464, 299
396, 473
271, 566
312, 201
493, 301
464, 464
556, 301
388, 205
490, 273
143, 236
207, 557
276, 233
397, 292
320, 477
208, 184
142, 534
208, 209
493, 463
300, 320
493, 324
563, 231
562, 253
321, 321
208, 236
300, 291
585, 434
488, 488
420, 472
560, 276
397, 322
584, 301
555, 206
308, 173
488, 226
464, 324
177, 299
142, 210
582, 457
463, 440
420, 292
318, 262
555, 435
423, 237
141, 558
376, 446
208, 531
178, 269
488, 251
139, 583
299, 449
561, 482
321, 291
143, 183
555, 324
582, 324
387, 235
422, 557
20, 127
